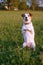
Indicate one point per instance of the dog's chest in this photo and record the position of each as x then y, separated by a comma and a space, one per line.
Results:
27, 26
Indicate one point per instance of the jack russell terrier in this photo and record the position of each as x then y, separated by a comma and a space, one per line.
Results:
28, 31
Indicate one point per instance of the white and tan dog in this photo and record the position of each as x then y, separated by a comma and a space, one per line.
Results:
28, 31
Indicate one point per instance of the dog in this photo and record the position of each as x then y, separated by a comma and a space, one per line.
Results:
28, 31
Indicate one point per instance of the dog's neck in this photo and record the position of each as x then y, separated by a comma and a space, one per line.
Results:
27, 23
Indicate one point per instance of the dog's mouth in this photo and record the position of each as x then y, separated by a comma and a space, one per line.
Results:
26, 19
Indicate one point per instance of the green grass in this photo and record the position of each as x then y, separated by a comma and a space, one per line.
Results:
11, 39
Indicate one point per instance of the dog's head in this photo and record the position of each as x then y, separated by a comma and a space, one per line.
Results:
27, 17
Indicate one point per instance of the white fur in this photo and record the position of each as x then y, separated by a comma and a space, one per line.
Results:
28, 36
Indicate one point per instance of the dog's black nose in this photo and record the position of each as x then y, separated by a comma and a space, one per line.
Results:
26, 17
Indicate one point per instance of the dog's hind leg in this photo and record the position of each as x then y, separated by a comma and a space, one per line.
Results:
33, 46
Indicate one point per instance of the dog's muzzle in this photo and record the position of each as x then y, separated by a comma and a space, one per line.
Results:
26, 19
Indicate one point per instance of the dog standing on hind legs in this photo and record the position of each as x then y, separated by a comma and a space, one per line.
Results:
28, 31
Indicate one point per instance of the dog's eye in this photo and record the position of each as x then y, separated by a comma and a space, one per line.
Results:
24, 15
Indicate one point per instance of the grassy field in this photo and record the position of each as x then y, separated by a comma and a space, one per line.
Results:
11, 39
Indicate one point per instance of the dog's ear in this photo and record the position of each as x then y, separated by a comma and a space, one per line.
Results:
23, 15
30, 14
